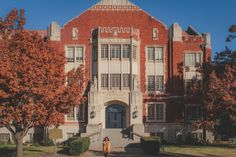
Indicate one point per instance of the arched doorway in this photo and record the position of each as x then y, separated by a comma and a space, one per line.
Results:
115, 116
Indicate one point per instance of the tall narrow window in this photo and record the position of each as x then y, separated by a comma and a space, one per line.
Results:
104, 51
70, 115
70, 54
75, 33
115, 52
115, 81
95, 53
126, 80
154, 33
80, 112
151, 83
151, 53
79, 54
159, 112
159, 83
159, 54
104, 81
126, 51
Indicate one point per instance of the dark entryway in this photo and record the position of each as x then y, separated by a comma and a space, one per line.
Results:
115, 116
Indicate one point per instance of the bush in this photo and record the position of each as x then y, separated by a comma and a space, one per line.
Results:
78, 145
151, 145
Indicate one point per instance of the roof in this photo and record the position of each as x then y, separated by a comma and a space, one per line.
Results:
119, 5
114, 2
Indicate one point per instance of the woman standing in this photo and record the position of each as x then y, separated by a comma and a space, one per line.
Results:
106, 146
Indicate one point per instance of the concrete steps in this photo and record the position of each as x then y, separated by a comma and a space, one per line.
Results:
119, 138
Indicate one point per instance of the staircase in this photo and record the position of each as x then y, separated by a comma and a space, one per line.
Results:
119, 139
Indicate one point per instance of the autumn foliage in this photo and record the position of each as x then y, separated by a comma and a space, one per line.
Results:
33, 88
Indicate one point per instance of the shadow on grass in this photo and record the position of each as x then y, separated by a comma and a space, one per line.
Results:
7, 152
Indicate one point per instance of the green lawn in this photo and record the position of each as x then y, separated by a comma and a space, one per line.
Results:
32, 151
200, 151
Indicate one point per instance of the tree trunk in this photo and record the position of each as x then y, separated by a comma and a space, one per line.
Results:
19, 144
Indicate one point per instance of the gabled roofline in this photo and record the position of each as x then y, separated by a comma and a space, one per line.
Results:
129, 2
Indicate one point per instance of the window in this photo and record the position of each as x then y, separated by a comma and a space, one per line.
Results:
159, 83
70, 54
193, 112
192, 59
104, 51
155, 112
126, 51
155, 83
70, 115
104, 81
154, 33
115, 51
69, 135
126, 80
151, 83
4, 137
79, 53
74, 33
134, 52
80, 112
155, 54
73, 52
115, 81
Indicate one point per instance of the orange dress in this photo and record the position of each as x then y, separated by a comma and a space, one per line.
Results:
106, 147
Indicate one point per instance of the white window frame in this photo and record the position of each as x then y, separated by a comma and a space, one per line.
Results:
74, 52
155, 33
195, 53
164, 111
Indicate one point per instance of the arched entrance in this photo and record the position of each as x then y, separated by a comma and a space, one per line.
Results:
115, 116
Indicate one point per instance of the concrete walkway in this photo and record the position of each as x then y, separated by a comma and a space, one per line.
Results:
118, 152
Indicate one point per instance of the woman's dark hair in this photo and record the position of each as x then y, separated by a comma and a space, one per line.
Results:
106, 138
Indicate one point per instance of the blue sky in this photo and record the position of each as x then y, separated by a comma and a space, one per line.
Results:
214, 16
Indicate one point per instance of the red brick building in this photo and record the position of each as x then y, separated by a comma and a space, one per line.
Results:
139, 68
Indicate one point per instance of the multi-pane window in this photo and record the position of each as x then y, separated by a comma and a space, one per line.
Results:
115, 81
192, 59
151, 83
104, 80
80, 112
155, 112
155, 83
115, 51
70, 54
79, 53
134, 52
159, 83
193, 112
126, 80
70, 115
74, 52
5, 137
104, 51
126, 51
70, 135
155, 54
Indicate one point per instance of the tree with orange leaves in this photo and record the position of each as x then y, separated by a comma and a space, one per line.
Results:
33, 88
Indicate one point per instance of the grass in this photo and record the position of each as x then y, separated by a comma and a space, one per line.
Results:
29, 151
201, 151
